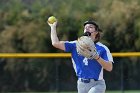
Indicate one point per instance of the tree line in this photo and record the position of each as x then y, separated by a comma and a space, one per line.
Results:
24, 29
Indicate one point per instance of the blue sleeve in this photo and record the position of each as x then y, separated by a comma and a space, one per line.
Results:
106, 55
69, 46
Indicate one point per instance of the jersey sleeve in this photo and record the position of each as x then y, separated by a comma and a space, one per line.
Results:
106, 55
69, 46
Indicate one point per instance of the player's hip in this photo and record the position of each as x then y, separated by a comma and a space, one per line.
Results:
92, 86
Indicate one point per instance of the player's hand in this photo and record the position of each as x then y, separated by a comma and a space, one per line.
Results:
86, 47
52, 25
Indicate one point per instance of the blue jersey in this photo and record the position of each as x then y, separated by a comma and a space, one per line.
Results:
88, 68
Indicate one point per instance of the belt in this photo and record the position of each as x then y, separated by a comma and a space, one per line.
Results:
87, 80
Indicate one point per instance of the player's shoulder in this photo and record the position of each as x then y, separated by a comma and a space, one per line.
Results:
99, 44
72, 42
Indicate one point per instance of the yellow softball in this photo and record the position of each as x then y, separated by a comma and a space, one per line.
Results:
52, 19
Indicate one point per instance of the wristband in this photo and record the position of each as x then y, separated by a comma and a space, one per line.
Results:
98, 58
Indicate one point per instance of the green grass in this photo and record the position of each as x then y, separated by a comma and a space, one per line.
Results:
123, 91
131, 91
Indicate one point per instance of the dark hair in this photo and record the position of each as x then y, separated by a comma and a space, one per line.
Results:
97, 37
94, 23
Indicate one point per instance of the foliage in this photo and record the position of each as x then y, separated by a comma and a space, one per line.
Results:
120, 24
23, 29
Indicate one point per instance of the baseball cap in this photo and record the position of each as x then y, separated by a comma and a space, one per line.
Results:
94, 23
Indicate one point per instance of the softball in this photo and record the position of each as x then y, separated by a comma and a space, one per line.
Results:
52, 19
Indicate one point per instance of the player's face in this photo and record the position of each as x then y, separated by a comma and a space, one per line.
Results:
90, 28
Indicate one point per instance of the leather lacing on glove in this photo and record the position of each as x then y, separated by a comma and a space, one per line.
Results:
86, 47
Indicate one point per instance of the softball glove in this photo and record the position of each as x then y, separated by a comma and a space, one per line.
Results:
86, 47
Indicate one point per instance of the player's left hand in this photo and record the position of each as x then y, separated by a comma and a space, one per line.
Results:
86, 47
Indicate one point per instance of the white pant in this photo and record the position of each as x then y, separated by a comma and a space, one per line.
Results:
91, 87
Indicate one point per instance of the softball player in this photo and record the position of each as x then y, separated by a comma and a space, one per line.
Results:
88, 71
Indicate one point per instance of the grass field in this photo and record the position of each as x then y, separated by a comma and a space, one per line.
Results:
76, 92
